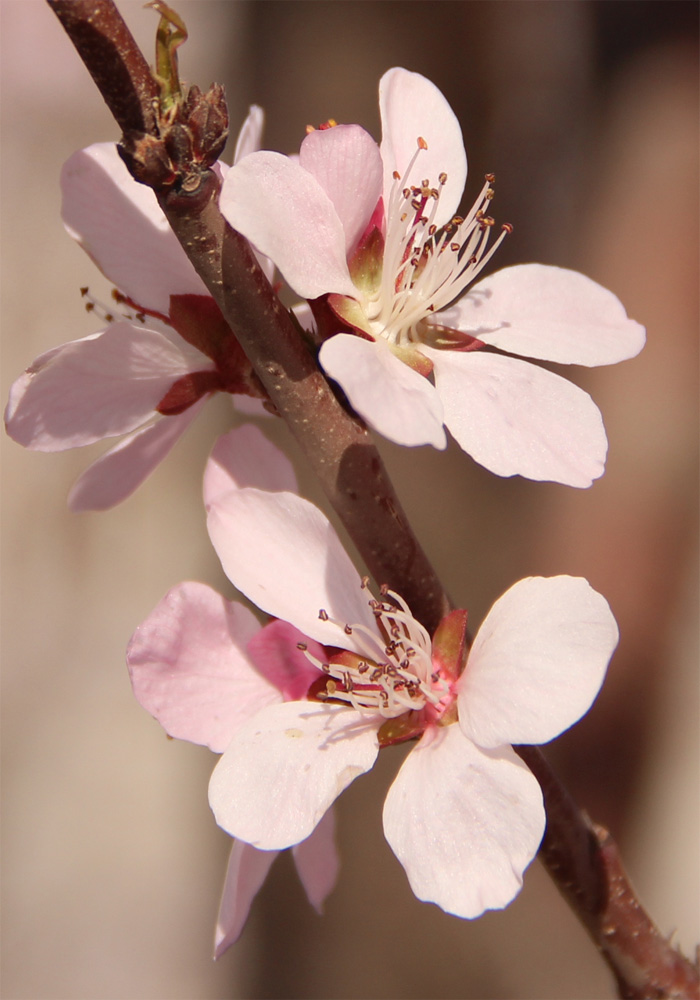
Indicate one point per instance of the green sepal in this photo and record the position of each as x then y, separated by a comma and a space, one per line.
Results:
350, 312
170, 35
409, 726
450, 644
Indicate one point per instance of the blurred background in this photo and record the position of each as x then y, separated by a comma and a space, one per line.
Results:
587, 112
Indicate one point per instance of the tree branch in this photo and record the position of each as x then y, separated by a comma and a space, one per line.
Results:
583, 860
113, 59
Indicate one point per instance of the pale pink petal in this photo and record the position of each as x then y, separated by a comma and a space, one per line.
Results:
274, 652
412, 107
518, 419
246, 871
245, 457
249, 406
283, 554
548, 313
284, 769
302, 312
537, 662
119, 223
190, 669
250, 135
287, 215
317, 862
97, 387
346, 163
464, 823
248, 141
121, 470
391, 397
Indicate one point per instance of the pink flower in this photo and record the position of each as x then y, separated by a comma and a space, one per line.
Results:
464, 815
161, 359
202, 666
370, 234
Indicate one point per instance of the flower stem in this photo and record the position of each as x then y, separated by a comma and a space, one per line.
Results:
581, 858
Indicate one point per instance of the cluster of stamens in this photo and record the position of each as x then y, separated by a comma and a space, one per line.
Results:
425, 266
393, 672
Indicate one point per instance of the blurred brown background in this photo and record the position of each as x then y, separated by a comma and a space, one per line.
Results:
587, 113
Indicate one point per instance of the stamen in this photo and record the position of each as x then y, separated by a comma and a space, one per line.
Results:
394, 671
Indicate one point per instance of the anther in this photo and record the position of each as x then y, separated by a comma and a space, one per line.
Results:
348, 630
323, 615
507, 227
364, 582
442, 177
302, 646
490, 178
422, 144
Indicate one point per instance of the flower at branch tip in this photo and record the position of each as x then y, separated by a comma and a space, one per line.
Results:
202, 666
464, 815
369, 234
166, 349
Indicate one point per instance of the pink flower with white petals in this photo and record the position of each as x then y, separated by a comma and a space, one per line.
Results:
370, 234
464, 815
202, 666
169, 351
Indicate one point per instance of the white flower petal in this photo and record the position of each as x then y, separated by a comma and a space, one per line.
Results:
515, 418
189, 667
549, 313
463, 822
97, 387
120, 471
283, 554
287, 215
537, 662
317, 862
250, 135
119, 223
245, 457
284, 769
346, 163
246, 871
412, 107
392, 398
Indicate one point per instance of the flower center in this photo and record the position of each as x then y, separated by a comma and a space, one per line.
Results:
393, 673
425, 267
